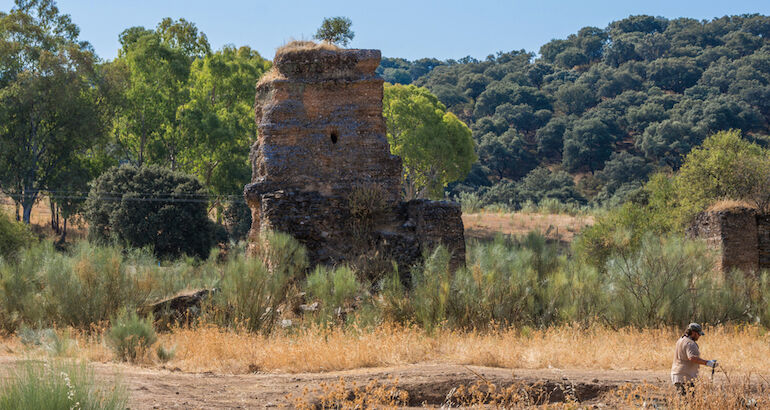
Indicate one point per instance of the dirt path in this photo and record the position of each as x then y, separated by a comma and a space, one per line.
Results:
426, 383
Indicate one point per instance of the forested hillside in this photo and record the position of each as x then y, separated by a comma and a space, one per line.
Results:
593, 115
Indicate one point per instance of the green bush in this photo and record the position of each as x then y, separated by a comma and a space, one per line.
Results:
93, 284
90, 283
507, 282
165, 354
14, 236
470, 202
431, 284
22, 287
151, 206
237, 218
281, 253
333, 288
59, 386
658, 284
393, 301
131, 336
252, 291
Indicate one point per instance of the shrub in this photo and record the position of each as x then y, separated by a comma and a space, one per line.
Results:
131, 336
93, 284
507, 282
90, 284
237, 220
658, 284
59, 386
14, 236
151, 206
21, 287
542, 183
252, 290
431, 289
394, 303
281, 253
470, 202
165, 354
334, 289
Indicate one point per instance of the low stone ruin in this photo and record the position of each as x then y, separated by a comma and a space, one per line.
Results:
739, 233
322, 169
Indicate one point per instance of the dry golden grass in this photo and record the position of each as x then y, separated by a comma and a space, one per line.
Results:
740, 349
303, 45
739, 393
340, 395
562, 227
40, 219
271, 75
729, 204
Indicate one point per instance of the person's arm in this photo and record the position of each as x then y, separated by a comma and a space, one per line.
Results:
694, 355
696, 359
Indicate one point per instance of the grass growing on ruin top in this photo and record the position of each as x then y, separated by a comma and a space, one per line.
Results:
304, 45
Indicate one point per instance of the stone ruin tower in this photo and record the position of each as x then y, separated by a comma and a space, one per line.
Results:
322, 169
740, 234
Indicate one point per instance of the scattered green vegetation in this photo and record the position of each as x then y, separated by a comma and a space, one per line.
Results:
59, 386
252, 290
334, 289
13, 236
131, 336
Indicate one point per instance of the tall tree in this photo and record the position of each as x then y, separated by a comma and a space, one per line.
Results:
217, 123
153, 69
436, 148
48, 99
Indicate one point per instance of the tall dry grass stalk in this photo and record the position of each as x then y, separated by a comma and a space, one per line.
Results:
740, 349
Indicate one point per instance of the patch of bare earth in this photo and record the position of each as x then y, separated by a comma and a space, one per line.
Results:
427, 384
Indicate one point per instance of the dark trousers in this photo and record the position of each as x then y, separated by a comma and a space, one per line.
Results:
683, 388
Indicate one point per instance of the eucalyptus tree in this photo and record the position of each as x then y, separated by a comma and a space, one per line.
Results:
49, 112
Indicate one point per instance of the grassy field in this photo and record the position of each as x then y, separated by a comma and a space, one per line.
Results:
559, 227
739, 349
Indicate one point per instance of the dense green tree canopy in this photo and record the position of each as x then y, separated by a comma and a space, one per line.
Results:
646, 86
217, 123
435, 146
151, 206
49, 107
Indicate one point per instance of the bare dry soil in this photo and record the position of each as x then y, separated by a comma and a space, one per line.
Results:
427, 384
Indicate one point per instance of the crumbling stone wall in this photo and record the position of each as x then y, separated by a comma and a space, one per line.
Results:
322, 139
763, 241
740, 235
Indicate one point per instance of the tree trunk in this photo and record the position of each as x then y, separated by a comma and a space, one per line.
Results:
54, 222
18, 216
27, 205
29, 197
63, 231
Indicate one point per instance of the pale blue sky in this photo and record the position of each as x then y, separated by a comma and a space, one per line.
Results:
400, 28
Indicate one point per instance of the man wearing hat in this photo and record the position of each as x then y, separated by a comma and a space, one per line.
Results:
687, 359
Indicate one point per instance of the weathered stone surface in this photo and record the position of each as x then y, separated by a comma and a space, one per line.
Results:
322, 139
178, 309
439, 222
735, 233
321, 127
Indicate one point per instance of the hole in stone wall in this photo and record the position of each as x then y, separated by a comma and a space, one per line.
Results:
333, 136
